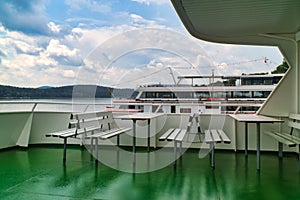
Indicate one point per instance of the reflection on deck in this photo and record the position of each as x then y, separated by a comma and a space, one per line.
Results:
38, 173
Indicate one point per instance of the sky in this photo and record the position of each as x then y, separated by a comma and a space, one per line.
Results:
119, 43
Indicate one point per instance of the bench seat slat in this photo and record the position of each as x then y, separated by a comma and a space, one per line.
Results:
181, 135
91, 115
294, 116
173, 134
292, 138
224, 137
108, 133
280, 139
208, 138
101, 133
166, 134
59, 133
112, 134
216, 136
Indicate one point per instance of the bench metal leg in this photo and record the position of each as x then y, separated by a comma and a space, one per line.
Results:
258, 146
212, 154
118, 141
299, 156
246, 139
65, 150
175, 152
180, 148
148, 149
92, 145
96, 149
280, 149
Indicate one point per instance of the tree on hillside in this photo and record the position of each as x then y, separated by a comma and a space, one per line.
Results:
282, 68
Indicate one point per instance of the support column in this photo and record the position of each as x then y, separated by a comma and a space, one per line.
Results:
297, 65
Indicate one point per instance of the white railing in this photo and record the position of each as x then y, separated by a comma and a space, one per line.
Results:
69, 106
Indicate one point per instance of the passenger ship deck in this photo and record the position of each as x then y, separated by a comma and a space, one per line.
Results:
38, 173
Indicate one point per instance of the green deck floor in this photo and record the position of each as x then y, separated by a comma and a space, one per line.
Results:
38, 173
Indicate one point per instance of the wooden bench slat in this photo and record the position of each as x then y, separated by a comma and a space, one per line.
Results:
91, 115
216, 136
173, 134
292, 138
114, 133
293, 124
91, 128
181, 135
280, 138
101, 133
59, 133
224, 137
287, 137
208, 138
166, 134
294, 116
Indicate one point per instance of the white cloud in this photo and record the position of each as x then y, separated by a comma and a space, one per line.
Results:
139, 21
60, 72
93, 5
57, 49
148, 2
54, 28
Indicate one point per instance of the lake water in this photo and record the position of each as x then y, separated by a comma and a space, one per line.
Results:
54, 105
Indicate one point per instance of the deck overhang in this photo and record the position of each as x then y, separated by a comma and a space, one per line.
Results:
255, 22
239, 22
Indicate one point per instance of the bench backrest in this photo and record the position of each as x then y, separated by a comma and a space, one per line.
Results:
94, 119
294, 121
194, 117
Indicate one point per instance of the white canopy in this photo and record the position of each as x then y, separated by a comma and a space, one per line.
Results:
252, 22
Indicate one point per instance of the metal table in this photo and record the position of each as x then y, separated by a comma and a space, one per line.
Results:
136, 117
257, 119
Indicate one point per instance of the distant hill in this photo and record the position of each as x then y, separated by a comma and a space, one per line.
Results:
78, 91
44, 87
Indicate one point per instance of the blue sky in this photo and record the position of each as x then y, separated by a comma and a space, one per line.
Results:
60, 42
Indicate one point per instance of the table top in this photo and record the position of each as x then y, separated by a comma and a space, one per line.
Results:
139, 116
255, 118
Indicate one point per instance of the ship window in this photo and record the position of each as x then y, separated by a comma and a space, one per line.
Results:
237, 94
257, 81
151, 95
261, 94
185, 110
276, 79
268, 81
173, 109
266, 94
257, 94
246, 94
143, 95
219, 94
211, 107
202, 94
166, 95
184, 95
246, 82
229, 94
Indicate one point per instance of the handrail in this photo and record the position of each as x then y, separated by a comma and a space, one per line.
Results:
17, 106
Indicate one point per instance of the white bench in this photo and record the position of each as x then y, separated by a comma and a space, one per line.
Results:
92, 125
287, 138
210, 137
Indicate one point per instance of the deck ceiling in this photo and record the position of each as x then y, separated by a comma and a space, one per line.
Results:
239, 21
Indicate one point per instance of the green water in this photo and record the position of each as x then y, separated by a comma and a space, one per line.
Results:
38, 173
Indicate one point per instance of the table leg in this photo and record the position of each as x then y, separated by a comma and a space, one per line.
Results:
258, 146
134, 135
246, 138
148, 135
